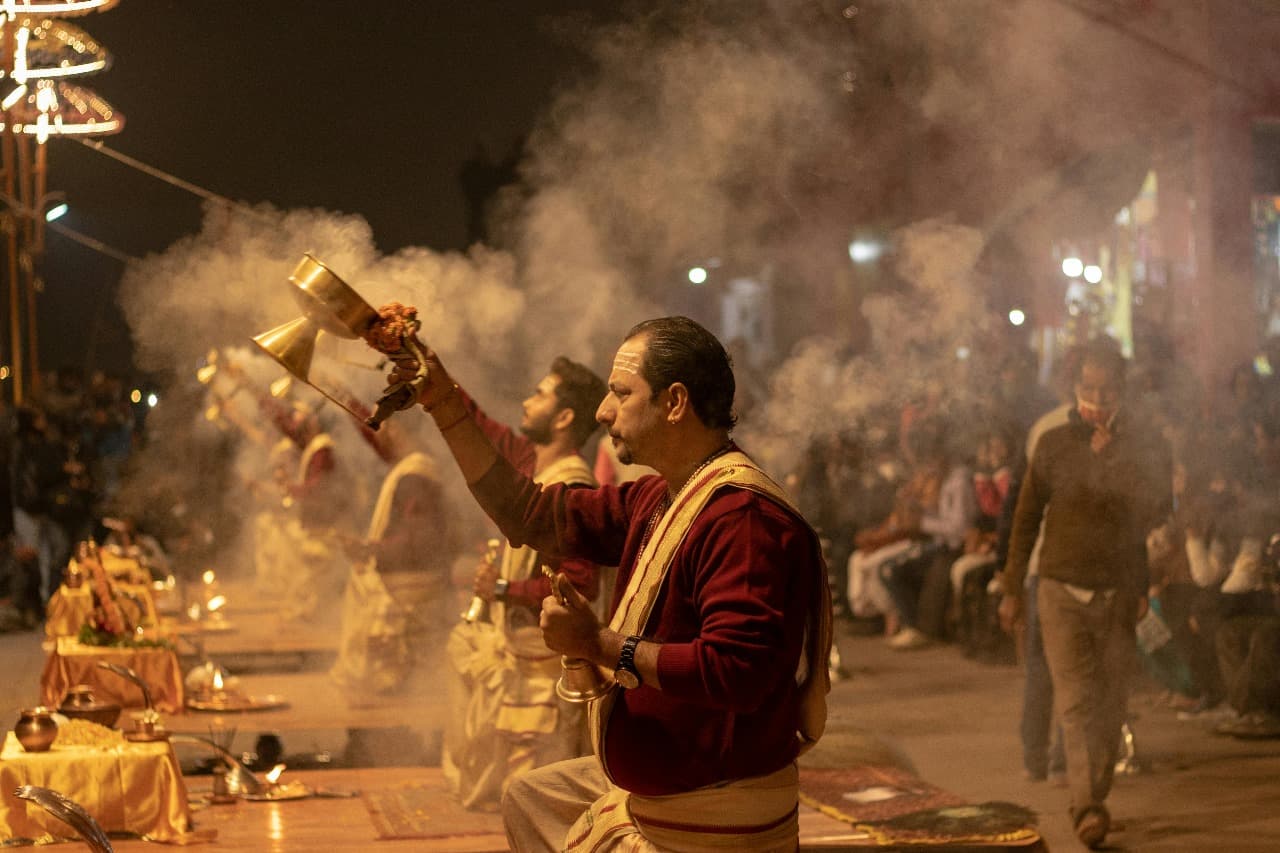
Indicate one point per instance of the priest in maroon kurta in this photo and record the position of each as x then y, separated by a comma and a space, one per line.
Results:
720, 623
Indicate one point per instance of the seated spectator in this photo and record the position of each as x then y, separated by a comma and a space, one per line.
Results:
1224, 532
938, 534
991, 477
1248, 645
895, 538
1188, 668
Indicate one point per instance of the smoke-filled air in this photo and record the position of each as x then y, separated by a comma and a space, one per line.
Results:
762, 136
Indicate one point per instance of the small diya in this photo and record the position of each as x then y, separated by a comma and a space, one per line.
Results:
218, 694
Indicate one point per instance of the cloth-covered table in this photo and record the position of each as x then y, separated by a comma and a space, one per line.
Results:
72, 663
128, 787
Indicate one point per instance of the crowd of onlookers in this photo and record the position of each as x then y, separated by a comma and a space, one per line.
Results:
63, 449
914, 505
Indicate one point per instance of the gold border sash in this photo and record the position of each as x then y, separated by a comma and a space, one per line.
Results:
732, 469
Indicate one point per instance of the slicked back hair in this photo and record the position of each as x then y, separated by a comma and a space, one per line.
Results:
581, 390
1104, 353
680, 350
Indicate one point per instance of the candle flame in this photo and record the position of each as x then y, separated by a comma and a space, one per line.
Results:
208, 577
216, 603
217, 679
274, 773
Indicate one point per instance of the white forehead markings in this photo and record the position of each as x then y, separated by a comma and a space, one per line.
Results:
627, 362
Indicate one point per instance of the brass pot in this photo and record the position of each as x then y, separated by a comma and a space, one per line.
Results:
36, 729
81, 704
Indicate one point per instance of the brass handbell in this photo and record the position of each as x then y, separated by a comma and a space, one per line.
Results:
478, 609
580, 679
330, 305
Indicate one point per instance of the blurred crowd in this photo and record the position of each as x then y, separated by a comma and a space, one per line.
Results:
914, 505
64, 450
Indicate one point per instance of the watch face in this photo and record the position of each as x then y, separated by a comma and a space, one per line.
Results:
627, 679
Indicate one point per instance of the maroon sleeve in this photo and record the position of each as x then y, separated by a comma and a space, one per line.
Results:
516, 449
318, 466
558, 520
584, 576
748, 570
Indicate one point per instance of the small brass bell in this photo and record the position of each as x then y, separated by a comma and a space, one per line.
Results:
580, 680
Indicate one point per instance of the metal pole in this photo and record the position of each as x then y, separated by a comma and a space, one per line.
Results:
15, 295
11, 227
25, 167
35, 251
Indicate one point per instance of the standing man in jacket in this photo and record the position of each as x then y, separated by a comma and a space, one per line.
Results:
1101, 483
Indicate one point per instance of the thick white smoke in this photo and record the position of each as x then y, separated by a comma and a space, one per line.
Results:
763, 133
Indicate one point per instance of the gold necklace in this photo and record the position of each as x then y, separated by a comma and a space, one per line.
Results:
667, 499
702, 466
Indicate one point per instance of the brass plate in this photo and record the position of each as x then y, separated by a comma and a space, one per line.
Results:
287, 791
238, 703
146, 737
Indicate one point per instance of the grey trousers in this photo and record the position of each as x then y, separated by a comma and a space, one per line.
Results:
1092, 652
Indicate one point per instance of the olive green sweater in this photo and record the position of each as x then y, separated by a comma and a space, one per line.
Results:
1100, 507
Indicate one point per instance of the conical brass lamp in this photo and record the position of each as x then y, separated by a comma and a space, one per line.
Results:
292, 345
330, 305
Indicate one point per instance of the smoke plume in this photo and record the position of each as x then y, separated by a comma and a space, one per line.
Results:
765, 136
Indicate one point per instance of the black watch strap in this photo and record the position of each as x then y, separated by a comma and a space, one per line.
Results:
626, 673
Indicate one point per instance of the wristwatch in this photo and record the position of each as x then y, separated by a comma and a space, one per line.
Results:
625, 673
500, 589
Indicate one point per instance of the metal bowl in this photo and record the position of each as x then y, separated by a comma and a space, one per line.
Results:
80, 704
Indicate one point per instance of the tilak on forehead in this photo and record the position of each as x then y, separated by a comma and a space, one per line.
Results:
627, 361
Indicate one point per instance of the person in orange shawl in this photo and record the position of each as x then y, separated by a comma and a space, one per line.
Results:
720, 619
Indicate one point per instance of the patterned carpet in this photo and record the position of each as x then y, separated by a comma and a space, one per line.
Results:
425, 811
896, 807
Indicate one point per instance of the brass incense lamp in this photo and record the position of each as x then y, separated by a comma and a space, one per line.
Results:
330, 305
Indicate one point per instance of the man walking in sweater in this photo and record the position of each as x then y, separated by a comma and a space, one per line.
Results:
1104, 482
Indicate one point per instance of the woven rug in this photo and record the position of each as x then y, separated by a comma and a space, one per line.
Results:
425, 811
897, 807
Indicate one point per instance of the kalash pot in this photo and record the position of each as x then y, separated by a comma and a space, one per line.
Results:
36, 729
81, 704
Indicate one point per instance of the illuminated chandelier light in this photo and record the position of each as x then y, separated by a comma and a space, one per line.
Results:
59, 108
13, 8
47, 47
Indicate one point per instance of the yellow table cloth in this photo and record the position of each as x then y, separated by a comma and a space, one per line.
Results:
132, 787
71, 663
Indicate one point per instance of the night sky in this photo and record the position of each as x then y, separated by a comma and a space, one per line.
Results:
366, 108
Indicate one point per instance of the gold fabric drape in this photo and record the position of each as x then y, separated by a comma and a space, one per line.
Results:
72, 663
132, 787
